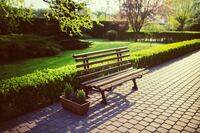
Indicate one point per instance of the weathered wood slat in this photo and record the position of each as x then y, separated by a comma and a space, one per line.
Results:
88, 83
84, 71
110, 80
118, 82
98, 52
104, 71
103, 80
100, 61
102, 55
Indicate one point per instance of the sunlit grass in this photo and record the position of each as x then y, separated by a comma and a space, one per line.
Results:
19, 68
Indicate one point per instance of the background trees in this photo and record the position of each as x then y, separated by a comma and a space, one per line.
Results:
138, 12
71, 16
182, 13
12, 11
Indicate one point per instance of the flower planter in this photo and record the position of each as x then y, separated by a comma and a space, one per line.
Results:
74, 107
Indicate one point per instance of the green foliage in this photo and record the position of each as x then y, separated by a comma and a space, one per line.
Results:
70, 15
112, 35
153, 27
166, 37
68, 90
26, 93
12, 11
160, 54
75, 44
183, 14
19, 46
81, 96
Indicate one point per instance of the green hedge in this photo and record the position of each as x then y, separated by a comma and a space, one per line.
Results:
170, 36
22, 94
157, 55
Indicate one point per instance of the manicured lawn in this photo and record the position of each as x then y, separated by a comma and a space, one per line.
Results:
19, 68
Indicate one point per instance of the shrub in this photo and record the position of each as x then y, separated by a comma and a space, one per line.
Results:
157, 55
81, 96
154, 27
100, 30
160, 36
112, 35
19, 46
74, 44
26, 93
68, 90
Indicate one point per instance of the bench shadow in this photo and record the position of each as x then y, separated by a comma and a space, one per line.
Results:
98, 114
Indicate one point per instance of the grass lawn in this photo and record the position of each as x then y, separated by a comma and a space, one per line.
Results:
19, 68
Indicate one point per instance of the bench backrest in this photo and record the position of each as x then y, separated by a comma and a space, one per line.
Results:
103, 62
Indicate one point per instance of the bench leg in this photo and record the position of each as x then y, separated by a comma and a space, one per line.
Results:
135, 85
103, 97
86, 93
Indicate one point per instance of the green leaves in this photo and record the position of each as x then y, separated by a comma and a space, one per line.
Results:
72, 17
156, 55
13, 11
37, 78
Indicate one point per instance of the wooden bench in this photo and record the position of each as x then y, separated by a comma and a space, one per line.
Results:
105, 69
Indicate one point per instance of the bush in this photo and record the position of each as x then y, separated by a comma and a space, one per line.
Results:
74, 44
81, 96
160, 54
112, 35
19, 46
160, 36
154, 27
22, 94
100, 30
68, 90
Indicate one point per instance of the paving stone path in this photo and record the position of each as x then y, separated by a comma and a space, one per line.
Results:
168, 100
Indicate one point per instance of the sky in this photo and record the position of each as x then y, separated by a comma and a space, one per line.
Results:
95, 5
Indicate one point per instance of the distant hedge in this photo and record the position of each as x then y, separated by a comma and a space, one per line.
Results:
100, 30
26, 93
159, 36
157, 55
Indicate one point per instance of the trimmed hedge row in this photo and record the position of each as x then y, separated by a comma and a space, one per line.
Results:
22, 94
160, 36
157, 55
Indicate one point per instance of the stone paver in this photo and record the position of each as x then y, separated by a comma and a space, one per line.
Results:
168, 100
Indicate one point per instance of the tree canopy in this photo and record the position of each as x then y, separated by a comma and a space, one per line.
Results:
71, 16
12, 11
182, 13
138, 12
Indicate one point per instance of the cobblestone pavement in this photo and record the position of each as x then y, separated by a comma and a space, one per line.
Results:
168, 100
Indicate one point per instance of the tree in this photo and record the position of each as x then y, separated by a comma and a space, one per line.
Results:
12, 11
138, 12
182, 13
71, 16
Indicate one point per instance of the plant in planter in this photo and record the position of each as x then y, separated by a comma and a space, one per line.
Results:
74, 101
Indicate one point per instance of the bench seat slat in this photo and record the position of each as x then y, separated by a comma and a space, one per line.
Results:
86, 83
118, 82
115, 77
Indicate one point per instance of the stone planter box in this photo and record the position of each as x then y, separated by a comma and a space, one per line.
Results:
73, 106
